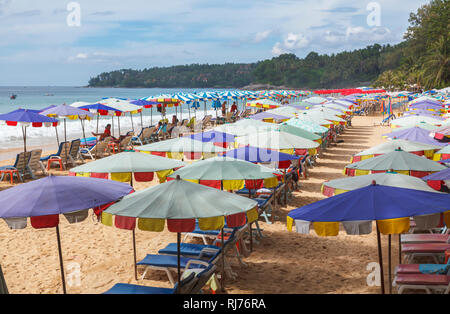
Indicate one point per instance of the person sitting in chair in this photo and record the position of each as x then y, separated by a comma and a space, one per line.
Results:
106, 133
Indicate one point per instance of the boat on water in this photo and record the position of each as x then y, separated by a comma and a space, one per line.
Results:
13, 96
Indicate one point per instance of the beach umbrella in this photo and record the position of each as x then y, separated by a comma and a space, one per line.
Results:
324, 115
442, 132
124, 165
413, 120
45, 199
420, 149
26, 118
145, 104
398, 161
339, 186
391, 208
68, 112
435, 179
422, 125
176, 147
307, 125
316, 100
121, 167
180, 203
100, 110
298, 131
263, 103
268, 117
245, 127
443, 153
287, 111
283, 141
213, 136
122, 107
414, 134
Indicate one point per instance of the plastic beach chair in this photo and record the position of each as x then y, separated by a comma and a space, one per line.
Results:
186, 286
433, 250
74, 152
63, 151
99, 150
429, 283
425, 238
20, 165
35, 164
168, 262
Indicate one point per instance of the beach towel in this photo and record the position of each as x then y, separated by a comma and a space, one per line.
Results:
435, 268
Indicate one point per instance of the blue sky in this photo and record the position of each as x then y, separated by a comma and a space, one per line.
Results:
38, 47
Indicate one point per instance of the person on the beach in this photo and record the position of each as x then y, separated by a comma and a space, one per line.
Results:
233, 107
174, 120
224, 108
106, 133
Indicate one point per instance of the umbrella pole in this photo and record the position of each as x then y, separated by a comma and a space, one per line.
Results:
57, 137
399, 248
82, 127
222, 278
97, 122
151, 115
65, 140
61, 264
24, 132
112, 119
118, 124
179, 261
134, 252
390, 262
132, 125
285, 188
380, 259
142, 123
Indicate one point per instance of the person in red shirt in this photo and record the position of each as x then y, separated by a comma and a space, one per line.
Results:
105, 134
233, 107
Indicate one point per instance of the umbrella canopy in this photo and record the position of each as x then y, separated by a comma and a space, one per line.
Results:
339, 186
390, 146
277, 140
261, 155
316, 100
181, 145
263, 103
25, 118
322, 114
443, 153
399, 161
121, 105
422, 125
142, 165
299, 132
213, 136
414, 134
67, 111
442, 175
307, 125
284, 111
224, 168
415, 119
245, 126
45, 199
101, 109
268, 116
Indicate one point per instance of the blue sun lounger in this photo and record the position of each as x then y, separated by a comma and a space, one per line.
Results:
168, 262
125, 288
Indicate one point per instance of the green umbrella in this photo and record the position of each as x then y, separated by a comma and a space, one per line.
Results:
309, 126
129, 162
125, 164
392, 145
397, 160
3, 287
323, 114
286, 111
277, 140
180, 203
311, 118
181, 145
415, 119
245, 127
299, 132
422, 125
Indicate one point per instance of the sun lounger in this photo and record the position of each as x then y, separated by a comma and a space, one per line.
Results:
168, 262
62, 154
142, 137
210, 234
20, 165
35, 164
186, 286
429, 283
74, 152
425, 238
433, 250
99, 150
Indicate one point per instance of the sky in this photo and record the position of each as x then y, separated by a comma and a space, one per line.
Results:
65, 43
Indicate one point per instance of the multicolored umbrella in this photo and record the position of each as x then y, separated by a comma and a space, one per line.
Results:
308, 125
45, 199
414, 134
216, 137
339, 186
398, 161
121, 167
263, 103
269, 117
443, 154
180, 203
390, 207
245, 127
420, 149
413, 120
26, 118
182, 147
283, 141
297, 131
262, 155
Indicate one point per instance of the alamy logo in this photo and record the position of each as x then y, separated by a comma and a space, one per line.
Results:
374, 17
74, 17
74, 274
374, 278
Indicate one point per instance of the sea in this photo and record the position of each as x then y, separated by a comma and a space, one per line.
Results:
39, 97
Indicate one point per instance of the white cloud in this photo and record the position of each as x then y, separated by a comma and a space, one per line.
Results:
260, 36
292, 43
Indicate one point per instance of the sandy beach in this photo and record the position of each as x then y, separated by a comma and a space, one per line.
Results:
294, 263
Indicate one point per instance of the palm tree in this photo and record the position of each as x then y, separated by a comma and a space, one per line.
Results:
437, 64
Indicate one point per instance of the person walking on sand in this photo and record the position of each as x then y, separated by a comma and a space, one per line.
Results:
224, 108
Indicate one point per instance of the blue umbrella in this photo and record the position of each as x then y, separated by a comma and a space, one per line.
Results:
374, 202
45, 199
439, 176
26, 117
